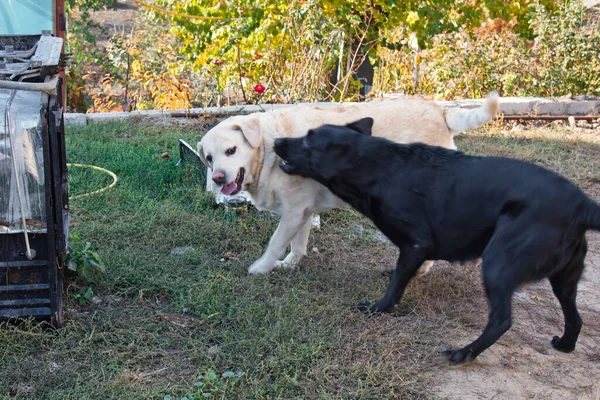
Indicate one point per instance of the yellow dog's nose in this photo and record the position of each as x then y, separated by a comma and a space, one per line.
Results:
218, 177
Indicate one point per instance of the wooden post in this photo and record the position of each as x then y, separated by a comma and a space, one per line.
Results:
60, 28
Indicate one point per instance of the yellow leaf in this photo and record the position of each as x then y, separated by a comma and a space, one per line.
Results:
136, 67
412, 17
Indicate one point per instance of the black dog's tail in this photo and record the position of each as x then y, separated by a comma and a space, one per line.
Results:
592, 216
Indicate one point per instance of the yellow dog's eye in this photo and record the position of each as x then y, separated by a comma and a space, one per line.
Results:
209, 159
230, 151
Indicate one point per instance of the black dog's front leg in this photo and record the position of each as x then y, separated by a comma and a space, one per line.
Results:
408, 263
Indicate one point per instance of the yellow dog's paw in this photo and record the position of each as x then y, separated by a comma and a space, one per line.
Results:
290, 262
261, 267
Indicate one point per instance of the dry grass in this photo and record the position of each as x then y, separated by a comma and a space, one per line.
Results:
573, 153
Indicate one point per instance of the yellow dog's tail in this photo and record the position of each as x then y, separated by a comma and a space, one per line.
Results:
462, 119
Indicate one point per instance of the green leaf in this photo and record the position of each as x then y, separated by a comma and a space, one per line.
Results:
72, 265
89, 294
228, 374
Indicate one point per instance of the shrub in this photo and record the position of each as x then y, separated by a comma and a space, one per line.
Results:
493, 57
564, 58
291, 52
566, 50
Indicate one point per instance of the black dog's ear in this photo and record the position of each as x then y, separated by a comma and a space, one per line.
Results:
335, 163
363, 126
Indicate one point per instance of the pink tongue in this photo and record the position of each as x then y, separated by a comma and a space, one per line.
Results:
228, 189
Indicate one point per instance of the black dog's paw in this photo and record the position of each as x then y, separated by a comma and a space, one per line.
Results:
388, 273
364, 308
458, 357
367, 308
556, 343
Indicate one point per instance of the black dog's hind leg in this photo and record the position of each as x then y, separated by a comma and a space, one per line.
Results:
499, 287
409, 262
566, 294
564, 285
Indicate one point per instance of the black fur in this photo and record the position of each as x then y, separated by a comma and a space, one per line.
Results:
526, 222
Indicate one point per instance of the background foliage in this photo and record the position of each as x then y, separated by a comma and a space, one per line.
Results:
310, 50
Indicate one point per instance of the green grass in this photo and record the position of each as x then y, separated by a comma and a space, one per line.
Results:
161, 320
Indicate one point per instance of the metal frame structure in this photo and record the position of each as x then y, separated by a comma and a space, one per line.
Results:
31, 262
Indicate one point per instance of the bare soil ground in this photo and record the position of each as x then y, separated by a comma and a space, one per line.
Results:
119, 20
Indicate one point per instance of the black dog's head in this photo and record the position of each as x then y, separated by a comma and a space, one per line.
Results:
324, 152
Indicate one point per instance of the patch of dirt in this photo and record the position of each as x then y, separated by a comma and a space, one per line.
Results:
118, 20
523, 364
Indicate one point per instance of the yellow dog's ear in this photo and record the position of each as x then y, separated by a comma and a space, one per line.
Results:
249, 125
201, 153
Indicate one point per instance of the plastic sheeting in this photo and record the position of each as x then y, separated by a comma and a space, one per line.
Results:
26, 17
22, 162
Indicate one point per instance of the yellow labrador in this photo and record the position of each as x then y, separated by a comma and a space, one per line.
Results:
239, 154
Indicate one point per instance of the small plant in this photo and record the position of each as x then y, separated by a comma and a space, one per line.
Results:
85, 297
82, 262
210, 384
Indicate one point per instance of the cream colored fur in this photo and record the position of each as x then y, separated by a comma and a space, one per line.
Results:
295, 199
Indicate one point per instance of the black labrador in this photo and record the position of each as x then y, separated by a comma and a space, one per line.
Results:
526, 222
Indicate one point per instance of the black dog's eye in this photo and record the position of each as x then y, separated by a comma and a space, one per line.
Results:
209, 159
230, 151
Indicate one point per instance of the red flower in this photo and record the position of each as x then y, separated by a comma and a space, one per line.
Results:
259, 88
218, 61
257, 56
